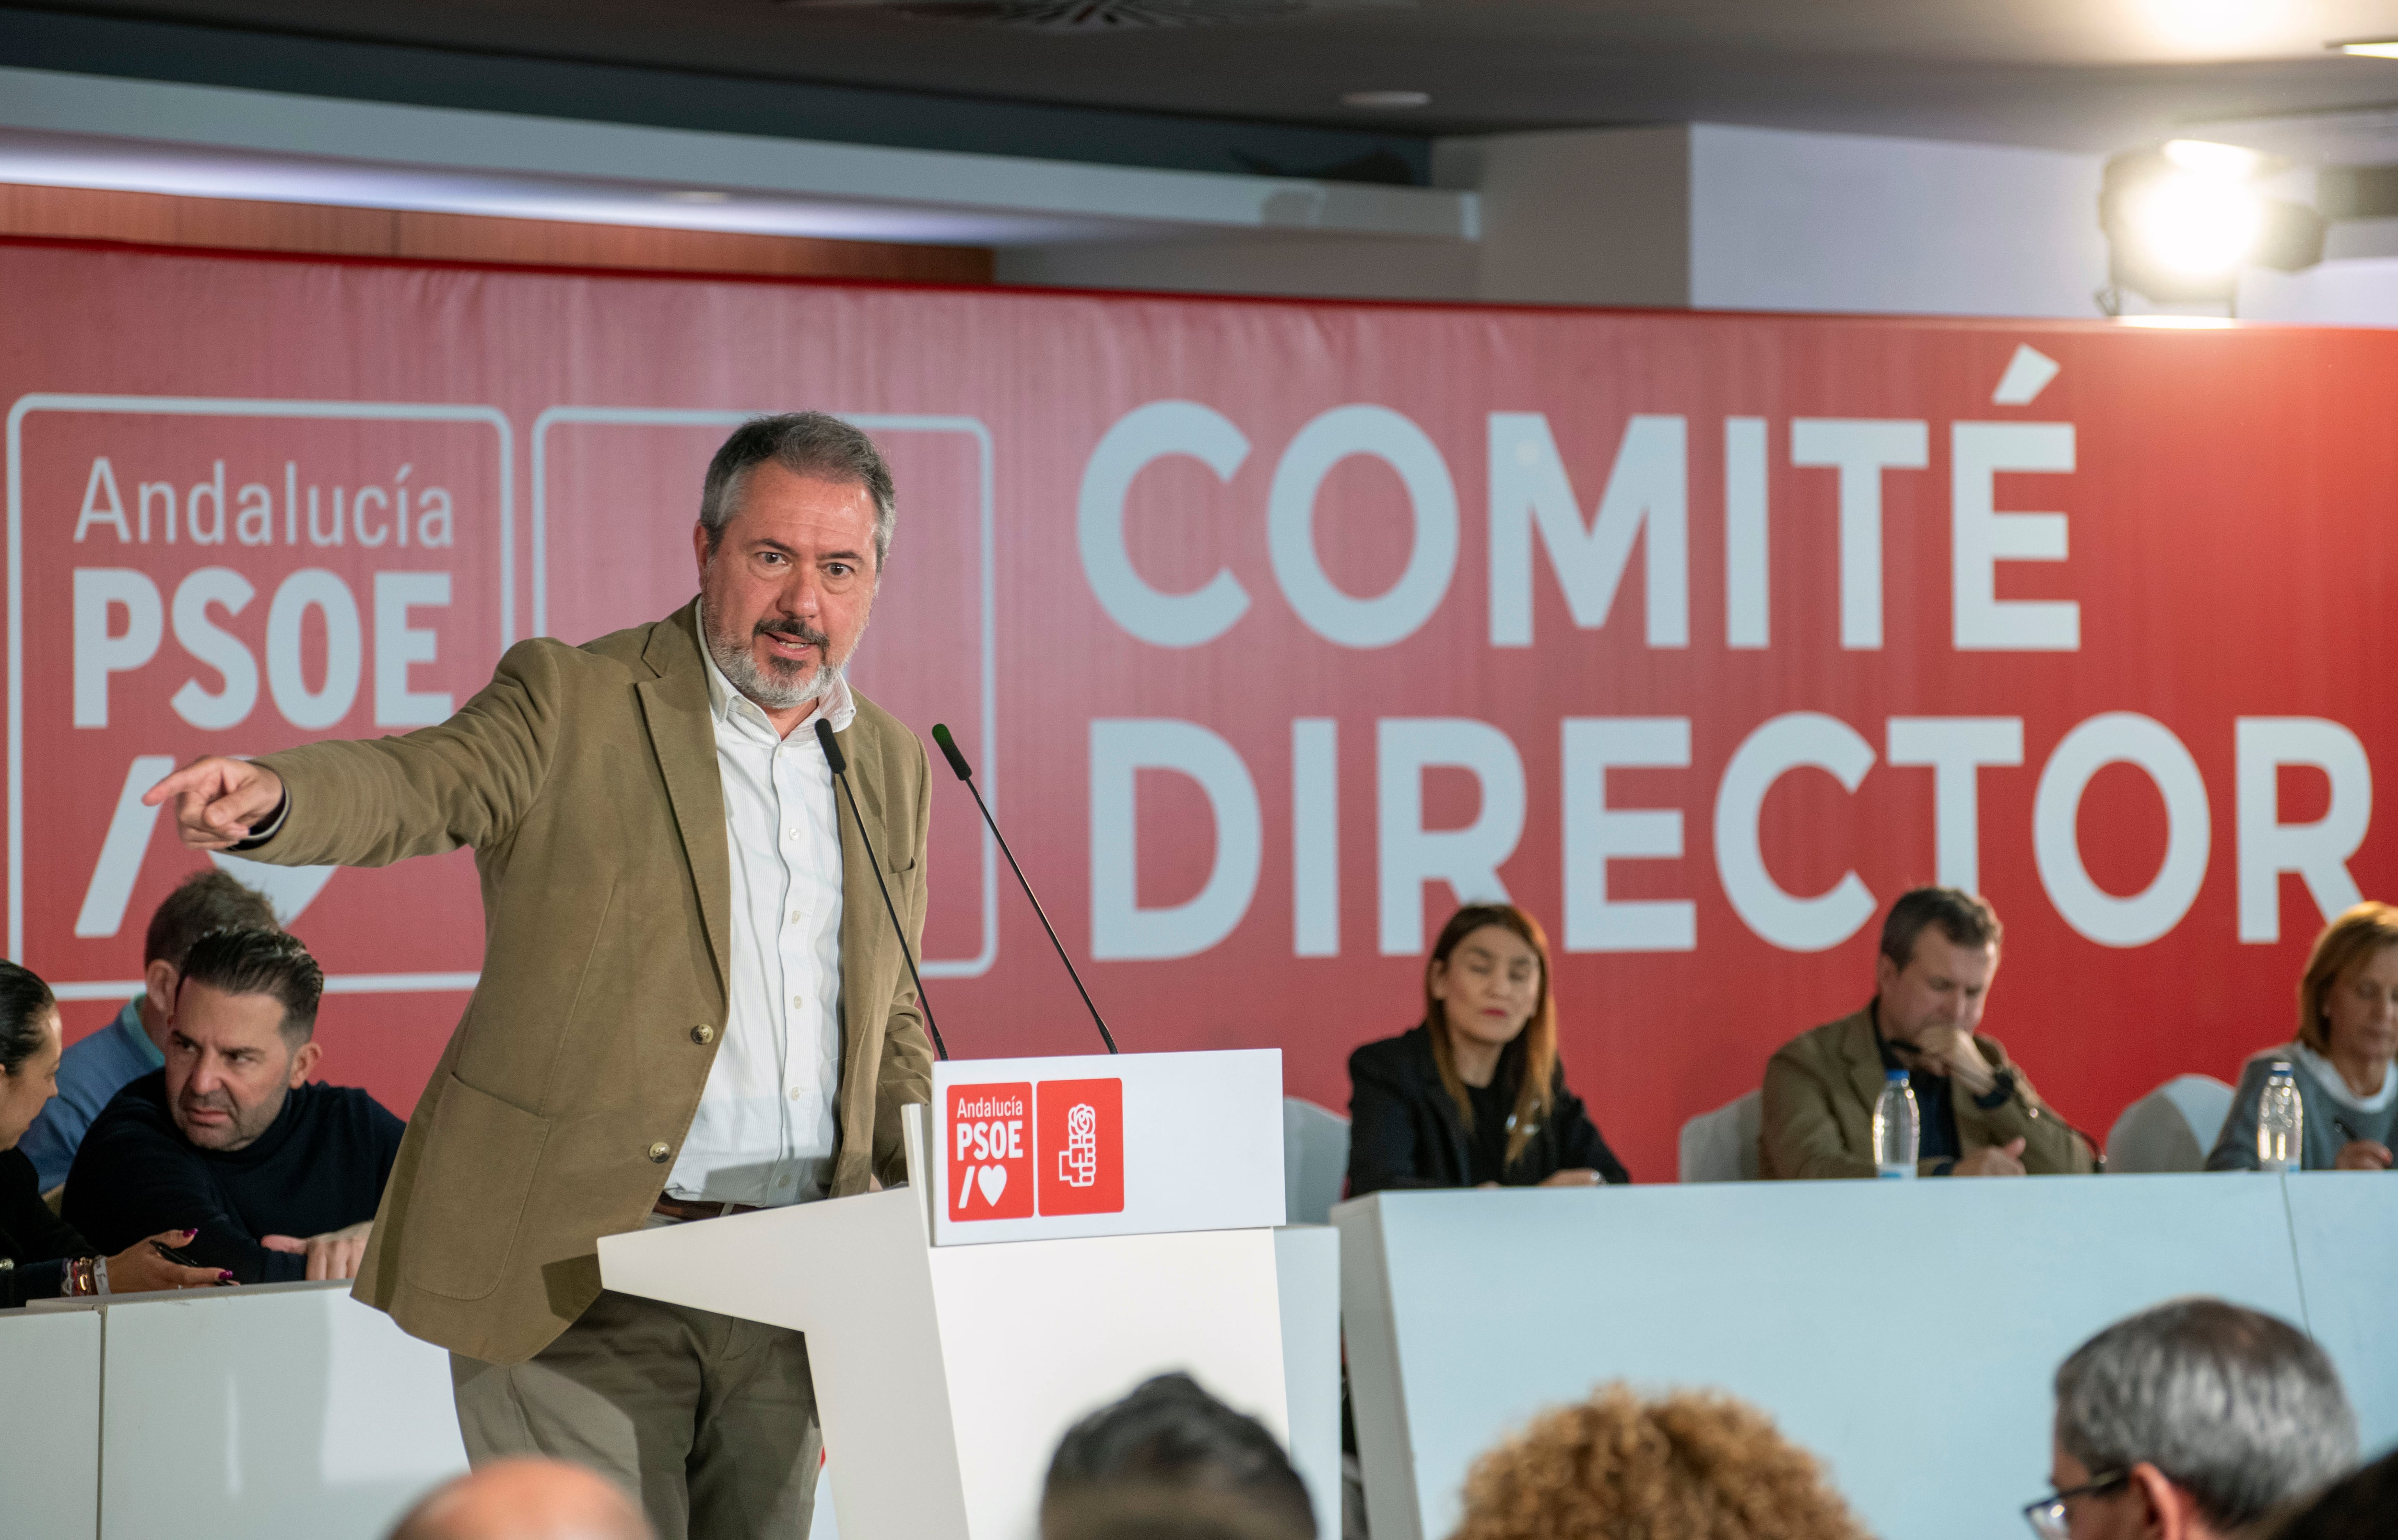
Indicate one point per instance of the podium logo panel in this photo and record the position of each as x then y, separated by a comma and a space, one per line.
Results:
990, 1151
1082, 1146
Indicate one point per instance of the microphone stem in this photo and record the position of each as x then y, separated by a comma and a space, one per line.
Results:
993, 824
897, 930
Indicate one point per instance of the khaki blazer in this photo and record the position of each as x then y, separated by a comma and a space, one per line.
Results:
1820, 1092
584, 779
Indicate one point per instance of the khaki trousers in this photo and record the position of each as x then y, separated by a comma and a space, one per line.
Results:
711, 1421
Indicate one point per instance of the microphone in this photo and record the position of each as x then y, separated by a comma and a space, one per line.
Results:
958, 762
840, 763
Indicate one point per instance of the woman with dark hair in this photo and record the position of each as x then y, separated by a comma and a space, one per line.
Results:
41, 1256
1474, 1096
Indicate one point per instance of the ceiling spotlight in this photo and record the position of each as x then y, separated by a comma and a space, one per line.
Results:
2195, 226
2384, 48
2206, 158
696, 194
2210, 26
1386, 101
2183, 219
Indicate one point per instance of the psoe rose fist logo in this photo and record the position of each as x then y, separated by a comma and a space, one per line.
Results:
990, 1152
1082, 1146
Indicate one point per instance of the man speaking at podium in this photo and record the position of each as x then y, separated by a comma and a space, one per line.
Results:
691, 1003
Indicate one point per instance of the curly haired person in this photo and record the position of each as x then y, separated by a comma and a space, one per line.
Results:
1691, 1464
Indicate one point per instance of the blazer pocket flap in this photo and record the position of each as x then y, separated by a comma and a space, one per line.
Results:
468, 1206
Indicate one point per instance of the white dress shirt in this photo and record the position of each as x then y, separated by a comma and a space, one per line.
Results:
766, 1127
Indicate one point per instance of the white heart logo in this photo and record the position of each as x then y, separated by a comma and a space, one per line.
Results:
992, 1180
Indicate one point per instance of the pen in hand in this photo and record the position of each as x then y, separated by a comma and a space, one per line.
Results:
185, 1259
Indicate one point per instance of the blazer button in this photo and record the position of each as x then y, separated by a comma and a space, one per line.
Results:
659, 1152
703, 1034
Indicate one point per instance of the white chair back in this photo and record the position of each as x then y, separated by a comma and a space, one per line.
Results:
1721, 1146
1314, 1161
2172, 1127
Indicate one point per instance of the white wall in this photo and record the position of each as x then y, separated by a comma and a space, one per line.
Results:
1713, 217
1783, 221
1684, 215
2358, 292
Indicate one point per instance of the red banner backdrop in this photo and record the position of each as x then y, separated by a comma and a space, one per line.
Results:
1274, 628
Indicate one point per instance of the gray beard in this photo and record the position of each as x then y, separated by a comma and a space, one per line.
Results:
770, 693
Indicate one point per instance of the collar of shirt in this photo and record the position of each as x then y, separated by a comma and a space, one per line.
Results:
2334, 1084
136, 1036
727, 704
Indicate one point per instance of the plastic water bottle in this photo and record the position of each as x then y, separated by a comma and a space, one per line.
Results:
1897, 1128
2280, 1121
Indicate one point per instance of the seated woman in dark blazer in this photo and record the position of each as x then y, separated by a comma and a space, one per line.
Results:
41, 1257
1474, 1097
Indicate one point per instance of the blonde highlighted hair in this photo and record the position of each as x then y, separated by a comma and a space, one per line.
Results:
2346, 941
1691, 1464
1540, 1035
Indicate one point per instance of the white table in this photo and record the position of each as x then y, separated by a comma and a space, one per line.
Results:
277, 1408
49, 1422
1905, 1331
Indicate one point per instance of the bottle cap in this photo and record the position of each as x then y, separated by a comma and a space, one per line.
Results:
1894, 1075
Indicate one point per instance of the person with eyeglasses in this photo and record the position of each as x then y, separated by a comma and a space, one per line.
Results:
2195, 1419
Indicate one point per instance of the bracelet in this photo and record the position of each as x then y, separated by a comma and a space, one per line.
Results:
78, 1279
99, 1275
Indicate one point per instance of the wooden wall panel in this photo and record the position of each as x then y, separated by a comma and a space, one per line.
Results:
251, 225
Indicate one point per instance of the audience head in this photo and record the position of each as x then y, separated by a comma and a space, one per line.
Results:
2364, 1506
1160, 1513
1170, 1437
2194, 1419
242, 1034
204, 902
526, 1499
2348, 998
1691, 1464
29, 1051
1487, 981
1939, 953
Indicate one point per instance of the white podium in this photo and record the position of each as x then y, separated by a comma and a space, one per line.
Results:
947, 1368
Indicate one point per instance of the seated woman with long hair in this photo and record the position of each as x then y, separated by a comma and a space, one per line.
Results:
1474, 1096
41, 1257
2341, 1060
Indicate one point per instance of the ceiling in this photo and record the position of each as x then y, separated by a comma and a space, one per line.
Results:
2073, 75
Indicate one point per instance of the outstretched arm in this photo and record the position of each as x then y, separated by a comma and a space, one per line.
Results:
219, 801
467, 781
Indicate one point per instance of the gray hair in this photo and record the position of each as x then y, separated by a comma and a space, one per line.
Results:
806, 443
2240, 1410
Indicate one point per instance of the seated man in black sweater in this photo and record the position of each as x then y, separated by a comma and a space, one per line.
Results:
281, 1178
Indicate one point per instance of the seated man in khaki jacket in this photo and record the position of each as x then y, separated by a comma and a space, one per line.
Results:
1980, 1115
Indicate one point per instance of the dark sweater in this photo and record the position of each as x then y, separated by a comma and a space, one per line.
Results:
34, 1241
1404, 1131
320, 1166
